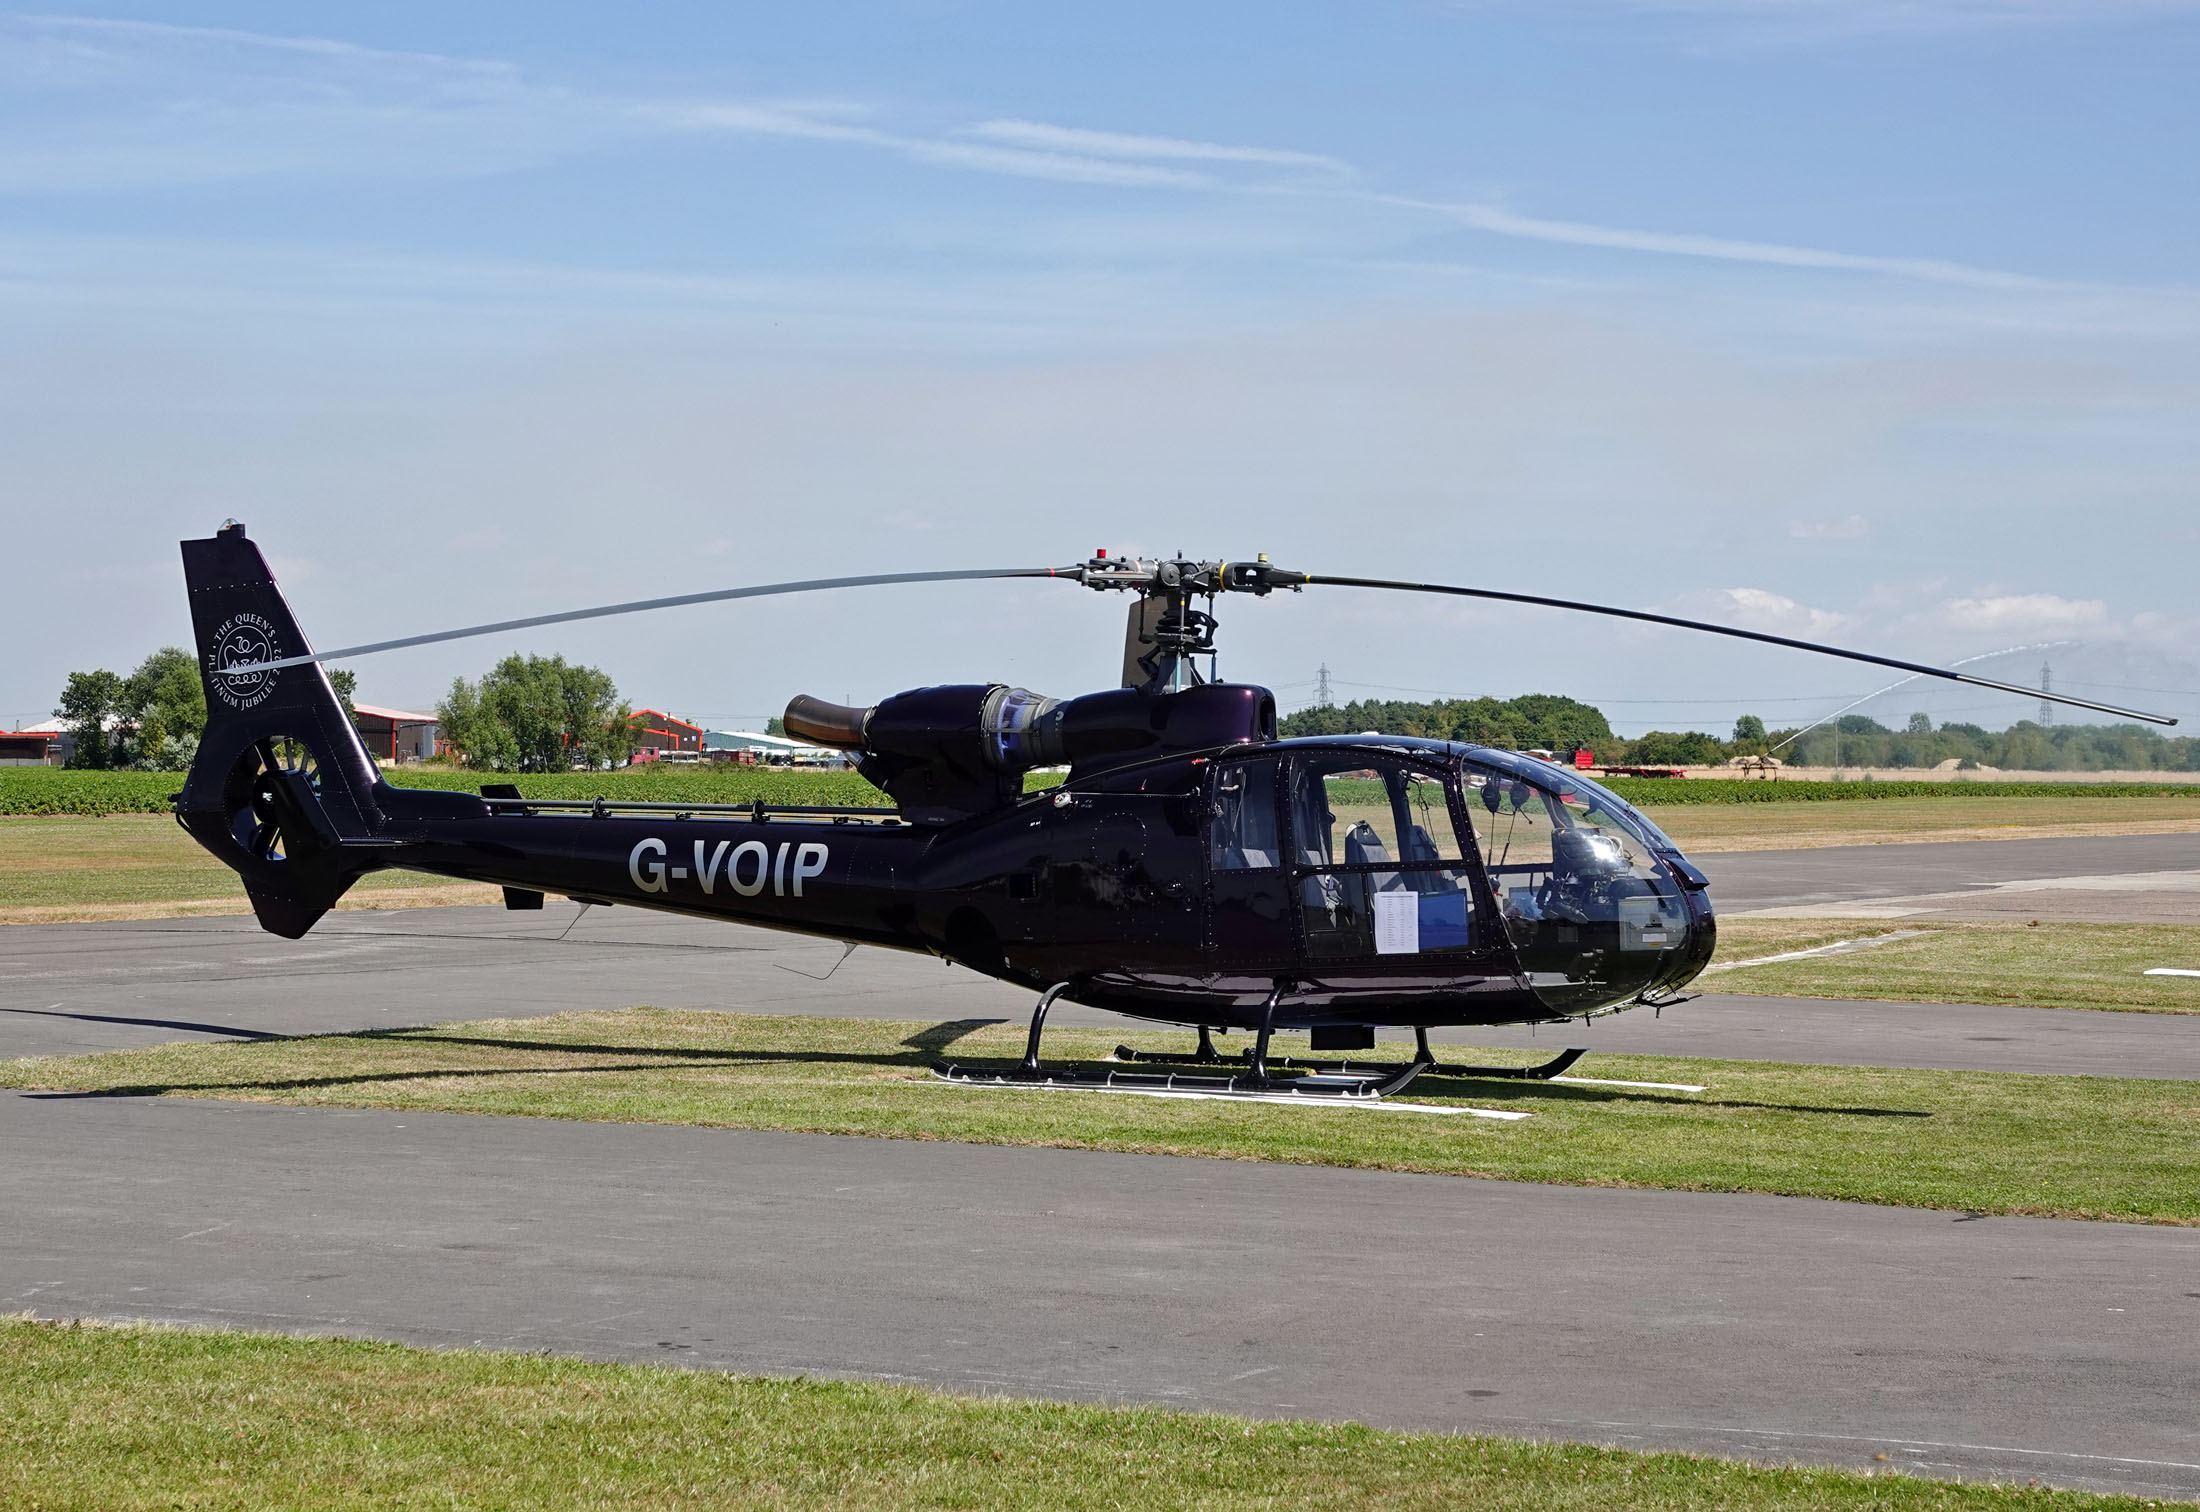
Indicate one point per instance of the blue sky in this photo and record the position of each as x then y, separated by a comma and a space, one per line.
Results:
1873, 321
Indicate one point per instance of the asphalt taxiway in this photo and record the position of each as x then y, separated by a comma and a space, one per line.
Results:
1747, 881
1775, 1328
1771, 1327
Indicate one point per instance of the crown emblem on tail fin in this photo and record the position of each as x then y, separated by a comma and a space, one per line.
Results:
243, 640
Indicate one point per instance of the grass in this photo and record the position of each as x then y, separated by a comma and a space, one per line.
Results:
2083, 1147
2042, 965
65, 868
112, 1417
1713, 827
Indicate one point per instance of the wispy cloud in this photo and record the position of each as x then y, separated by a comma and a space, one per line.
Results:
1821, 20
1762, 609
1116, 144
2037, 612
127, 105
1854, 528
1021, 162
1502, 222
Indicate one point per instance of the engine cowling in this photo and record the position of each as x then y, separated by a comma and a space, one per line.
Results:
946, 753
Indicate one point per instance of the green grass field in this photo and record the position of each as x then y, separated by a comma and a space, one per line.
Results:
114, 1419
2045, 965
2086, 1147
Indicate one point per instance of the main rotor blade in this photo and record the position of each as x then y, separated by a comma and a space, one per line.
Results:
1754, 635
765, 590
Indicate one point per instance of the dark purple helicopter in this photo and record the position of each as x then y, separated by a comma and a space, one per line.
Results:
1191, 869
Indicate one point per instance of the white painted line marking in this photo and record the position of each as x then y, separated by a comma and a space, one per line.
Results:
1272, 1099
2170, 971
1838, 947
1597, 1081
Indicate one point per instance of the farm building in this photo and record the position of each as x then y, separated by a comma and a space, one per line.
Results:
776, 749
394, 734
665, 736
44, 744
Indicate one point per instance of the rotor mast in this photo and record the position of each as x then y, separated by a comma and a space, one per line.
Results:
1165, 634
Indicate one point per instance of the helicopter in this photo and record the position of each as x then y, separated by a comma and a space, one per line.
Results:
1191, 869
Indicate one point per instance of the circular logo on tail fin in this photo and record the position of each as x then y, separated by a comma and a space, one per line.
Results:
242, 641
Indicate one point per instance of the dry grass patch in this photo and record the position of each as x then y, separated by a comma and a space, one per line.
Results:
1714, 827
69, 868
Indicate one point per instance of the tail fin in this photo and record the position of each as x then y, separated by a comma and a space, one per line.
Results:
282, 779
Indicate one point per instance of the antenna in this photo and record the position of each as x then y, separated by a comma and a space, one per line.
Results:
1322, 699
2047, 685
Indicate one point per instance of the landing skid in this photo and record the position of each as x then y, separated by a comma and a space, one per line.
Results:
1255, 1081
1357, 1086
1424, 1063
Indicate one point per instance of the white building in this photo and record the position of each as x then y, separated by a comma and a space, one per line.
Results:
778, 749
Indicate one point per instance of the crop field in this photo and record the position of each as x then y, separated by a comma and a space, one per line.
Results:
2072, 1147
106, 1417
51, 790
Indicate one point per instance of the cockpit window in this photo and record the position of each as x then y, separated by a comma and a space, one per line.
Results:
1381, 872
1588, 905
1245, 836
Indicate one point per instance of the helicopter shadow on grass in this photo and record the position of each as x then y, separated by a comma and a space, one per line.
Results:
669, 1058
920, 1047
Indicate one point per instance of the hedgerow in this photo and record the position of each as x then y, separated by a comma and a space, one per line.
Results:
51, 790
1654, 792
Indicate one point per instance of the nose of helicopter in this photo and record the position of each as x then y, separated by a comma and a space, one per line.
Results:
1599, 904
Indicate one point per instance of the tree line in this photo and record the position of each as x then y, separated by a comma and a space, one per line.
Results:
1545, 721
526, 714
149, 720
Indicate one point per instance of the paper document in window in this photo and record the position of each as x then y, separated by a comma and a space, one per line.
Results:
1397, 923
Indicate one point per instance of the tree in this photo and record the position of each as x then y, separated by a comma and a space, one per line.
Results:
1749, 730
1921, 724
1670, 748
1544, 720
538, 714
88, 704
163, 708
346, 683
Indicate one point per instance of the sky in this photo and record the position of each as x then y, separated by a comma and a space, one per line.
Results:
1871, 321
